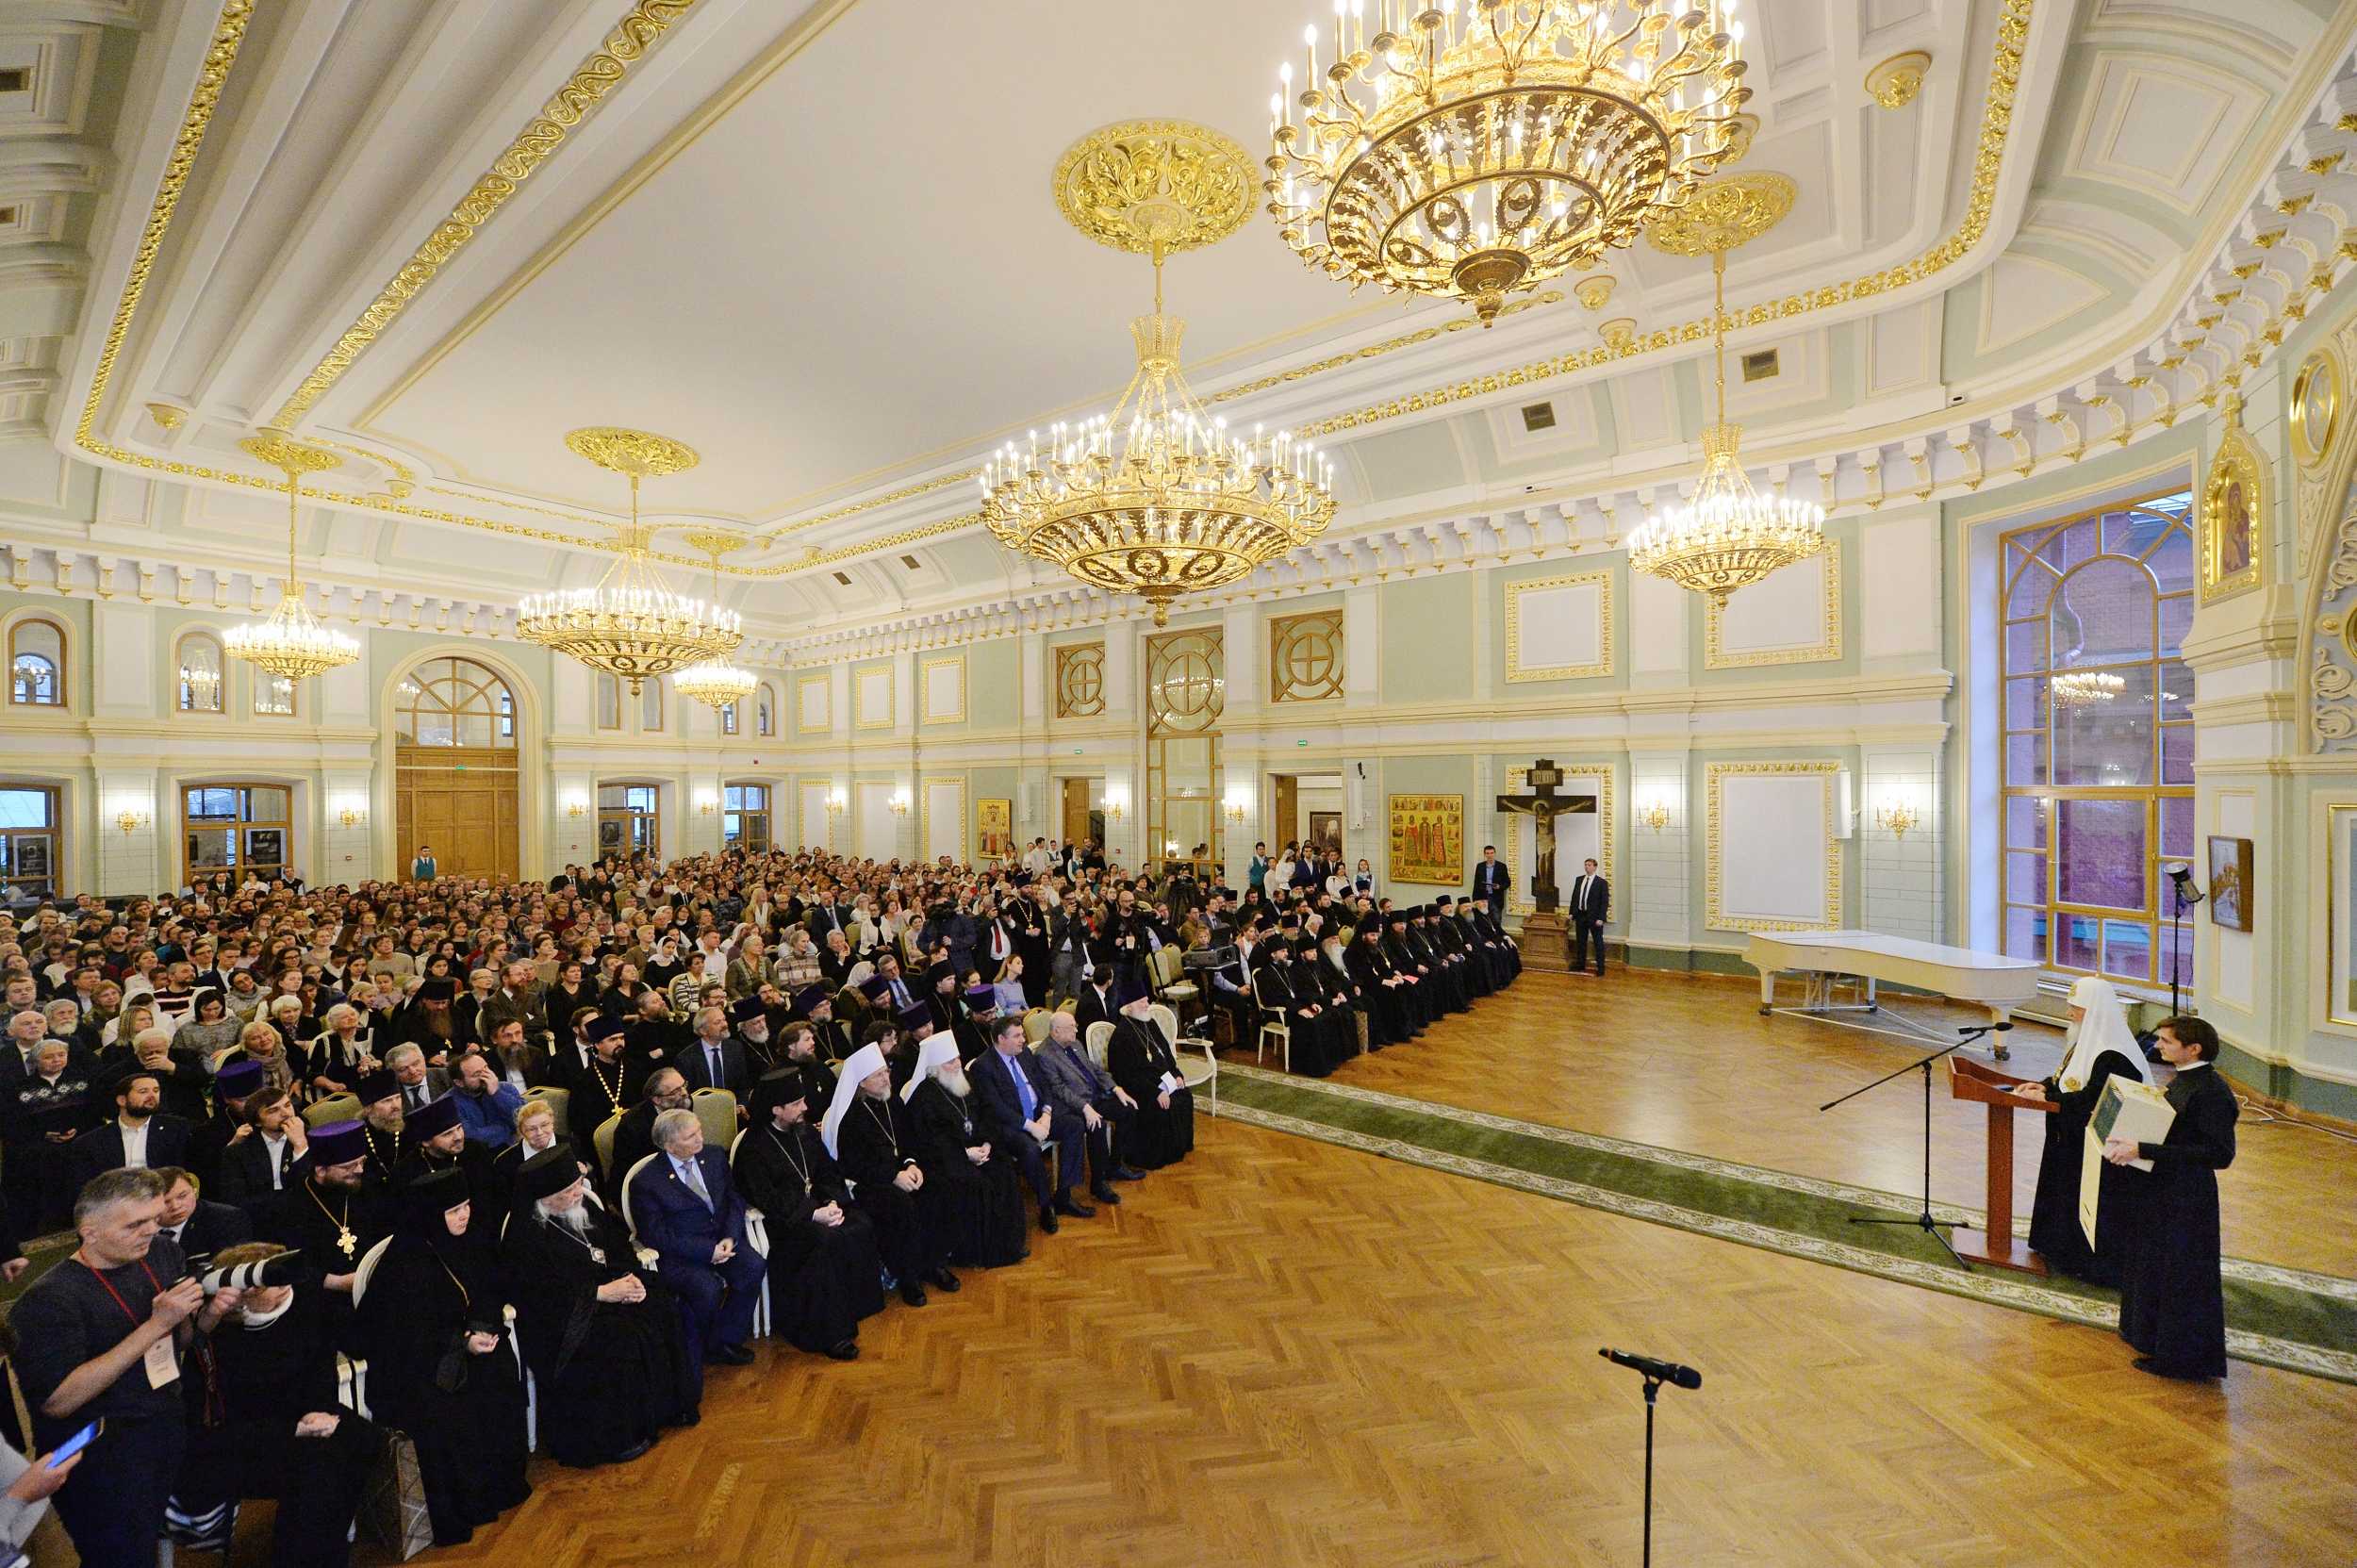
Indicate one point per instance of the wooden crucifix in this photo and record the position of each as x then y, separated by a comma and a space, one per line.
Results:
1542, 806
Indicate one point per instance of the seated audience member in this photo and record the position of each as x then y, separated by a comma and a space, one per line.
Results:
633, 1136
1147, 1071
40, 1116
433, 1140
199, 1227
688, 1212
1088, 1093
1013, 1108
980, 1198
2172, 1300
432, 1323
416, 1083
141, 1136
332, 1216
600, 1331
825, 1272
873, 1139
486, 1106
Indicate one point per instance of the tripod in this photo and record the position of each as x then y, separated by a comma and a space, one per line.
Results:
2182, 898
1923, 1220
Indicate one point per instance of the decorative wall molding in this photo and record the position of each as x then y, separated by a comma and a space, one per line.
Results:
1724, 779
1823, 629
1551, 601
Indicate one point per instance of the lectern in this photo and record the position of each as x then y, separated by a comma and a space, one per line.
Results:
1976, 1080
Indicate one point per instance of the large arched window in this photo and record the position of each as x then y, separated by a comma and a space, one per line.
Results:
765, 711
455, 702
199, 680
2098, 737
36, 664
730, 721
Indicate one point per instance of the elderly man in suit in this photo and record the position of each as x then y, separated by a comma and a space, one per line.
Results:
419, 1081
716, 1059
1087, 1093
687, 1209
1013, 1105
142, 1136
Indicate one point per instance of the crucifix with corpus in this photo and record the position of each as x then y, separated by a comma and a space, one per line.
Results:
1542, 805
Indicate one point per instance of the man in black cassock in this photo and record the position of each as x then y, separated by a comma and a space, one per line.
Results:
873, 1139
2172, 1304
599, 1331
1388, 1011
1162, 1130
433, 1138
2100, 1048
333, 1218
1318, 1045
634, 1139
1423, 992
825, 1273
601, 1086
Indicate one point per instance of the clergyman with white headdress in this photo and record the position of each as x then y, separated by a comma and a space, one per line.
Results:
2099, 1047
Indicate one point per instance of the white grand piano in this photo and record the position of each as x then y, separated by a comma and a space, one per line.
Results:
1825, 957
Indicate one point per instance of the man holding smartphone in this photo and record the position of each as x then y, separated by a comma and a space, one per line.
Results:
100, 1336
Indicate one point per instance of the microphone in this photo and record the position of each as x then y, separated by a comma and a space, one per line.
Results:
1668, 1372
1985, 1029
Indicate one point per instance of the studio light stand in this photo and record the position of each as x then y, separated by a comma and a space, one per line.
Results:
1923, 1220
2182, 896
1655, 1373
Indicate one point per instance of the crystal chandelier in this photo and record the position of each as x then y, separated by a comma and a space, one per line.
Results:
2083, 688
1468, 148
630, 626
1729, 535
1157, 498
715, 682
292, 643
204, 686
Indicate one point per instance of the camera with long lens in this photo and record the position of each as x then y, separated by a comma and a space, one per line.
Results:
283, 1268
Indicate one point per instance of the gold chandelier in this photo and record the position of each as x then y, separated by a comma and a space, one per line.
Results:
1158, 498
2083, 687
715, 682
1729, 535
292, 642
1468, 148
630, 626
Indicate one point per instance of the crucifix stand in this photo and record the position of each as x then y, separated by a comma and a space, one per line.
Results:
1545, 938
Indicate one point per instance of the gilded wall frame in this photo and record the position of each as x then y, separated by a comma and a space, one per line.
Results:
2234, 496
2316, 411
863, 718
925, 689
1827, 646
1079, 675
1715, 916
824, 686
1304, 657
1516, 671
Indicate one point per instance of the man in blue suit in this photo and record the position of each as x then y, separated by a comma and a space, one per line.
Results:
688, 1211
1014, 1107
1490, 880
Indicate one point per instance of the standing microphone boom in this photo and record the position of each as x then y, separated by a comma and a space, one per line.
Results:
1985, 1029
1669, 1372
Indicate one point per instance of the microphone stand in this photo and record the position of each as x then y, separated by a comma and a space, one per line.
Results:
1923, 1220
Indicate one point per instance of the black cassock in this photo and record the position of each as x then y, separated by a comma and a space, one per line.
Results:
1138, 1056
610, 1374
1318, 1043
1391, 1021
2172, 1305
878, 1140
982, 1206
1424, 999
2055, 1234
469, 1437
317, 1221
241, 1433
823, 1279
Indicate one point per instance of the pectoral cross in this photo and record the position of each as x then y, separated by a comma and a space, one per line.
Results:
1542, 806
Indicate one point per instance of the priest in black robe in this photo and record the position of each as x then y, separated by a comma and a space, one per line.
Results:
873, 1138
1379, 986
2099, 1047
434, 1139
1142, 1061
1423, 991
979, 1191
1316, 1047
603, 1086
332, 1216
2172, 1302
599, 1330
440, 1369
825, 1272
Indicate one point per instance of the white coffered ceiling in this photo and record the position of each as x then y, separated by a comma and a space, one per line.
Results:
816, 241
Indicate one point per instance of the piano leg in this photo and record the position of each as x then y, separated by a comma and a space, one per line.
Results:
1999, 1016
1767, 992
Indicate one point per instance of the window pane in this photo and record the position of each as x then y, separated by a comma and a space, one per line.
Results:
2176, 620
2025, 878
2177, 827
2128, 950
2031, 590
210, 849
2108, 742
2172, 564
2103, 857
2176, 689
609, 703
267, 804
641, 798
2025, 703
272, 694
2025, 759
212, 804
198, 679
2075, 941
732, 827
2025, 822
613, 797
24, 808
265, 847
2176, 936
651, 705
2176, 753
2101, 616
728, 718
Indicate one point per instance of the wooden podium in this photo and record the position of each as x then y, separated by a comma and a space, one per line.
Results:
1546, 942
1971, 1080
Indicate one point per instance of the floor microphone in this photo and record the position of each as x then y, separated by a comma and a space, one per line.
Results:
1669, 1372
1984, 1029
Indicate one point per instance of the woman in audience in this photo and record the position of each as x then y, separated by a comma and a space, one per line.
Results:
209, 1029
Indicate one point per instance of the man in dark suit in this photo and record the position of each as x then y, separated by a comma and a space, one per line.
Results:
688, 1211
141, 1134
1591, 905
1490, 880
1094, 1002
199, 1226
1014, 1106
716, 1059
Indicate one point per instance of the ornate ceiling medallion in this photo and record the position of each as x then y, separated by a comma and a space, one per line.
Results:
292, 642
630, 625
1466, 157
1895, 82
1729, 535
1154, 499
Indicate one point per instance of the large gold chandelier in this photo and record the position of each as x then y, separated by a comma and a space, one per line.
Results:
630, 625
292, 642
715, 682
1468, 148
1729, 535
1158, 498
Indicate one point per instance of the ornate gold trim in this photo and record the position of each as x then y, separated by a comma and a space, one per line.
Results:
633, 37
2237, 477
1154, 187
1828, 645
925, 690
1715, 916
860, 719
1518, 900
1072, 659
925, 814
1316, 631
1895, 82
1516, 672
825, 682
2315, 399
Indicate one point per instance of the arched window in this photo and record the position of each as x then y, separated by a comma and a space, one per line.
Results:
455, 702
199, 680
728, 718
36, 664
765, 711
609, 703
2098, 737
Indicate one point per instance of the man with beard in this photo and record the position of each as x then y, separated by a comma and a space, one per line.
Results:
973, 1023
654, 1040
1317, 1044
715, 1060
435, 1139
1485, 926
259, 1171
981, 1201
873, 1139
1141, 1063
1028, 925
1448, 968
1424, 990
634, 1138
210, 1143
814, 1004
751, 1017
382, 1125
1477, 963
139, 1138
1389, 1012
603, 1087
602, 1334
801, 1055
333, 1218
825, 1271
426, 1020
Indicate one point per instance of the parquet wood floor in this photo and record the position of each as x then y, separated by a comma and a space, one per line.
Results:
1685, 1061
1289, 1353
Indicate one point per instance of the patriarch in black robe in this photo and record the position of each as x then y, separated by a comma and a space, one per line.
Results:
825, 1272
871, 1136
979, 1191
2172, 1303
2100, 1048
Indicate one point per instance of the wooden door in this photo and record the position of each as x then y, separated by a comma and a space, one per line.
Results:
465, 804
1285, 822
1076, 810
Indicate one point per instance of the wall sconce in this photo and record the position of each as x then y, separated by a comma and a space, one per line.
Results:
1654, 815
900, 805
706, 805
131, 821
351, 817
1117, 806
576, 809
835, 803
1896, 817
1235, 811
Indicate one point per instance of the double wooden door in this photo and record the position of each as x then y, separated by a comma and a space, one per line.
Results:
462, 800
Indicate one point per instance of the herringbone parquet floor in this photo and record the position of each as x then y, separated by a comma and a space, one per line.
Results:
1289, 1353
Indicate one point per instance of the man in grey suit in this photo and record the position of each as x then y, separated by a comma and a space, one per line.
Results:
1081, 1090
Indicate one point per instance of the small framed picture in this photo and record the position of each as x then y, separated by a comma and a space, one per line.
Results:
2230, 882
